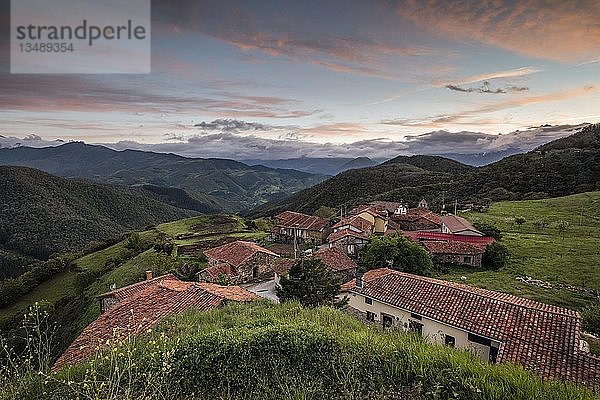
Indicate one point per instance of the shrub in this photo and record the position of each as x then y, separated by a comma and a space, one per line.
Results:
396, 252
488, 230
591, 319
496, 256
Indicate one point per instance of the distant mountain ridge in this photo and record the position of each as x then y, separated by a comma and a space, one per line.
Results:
214, 184
562, 167
316, 165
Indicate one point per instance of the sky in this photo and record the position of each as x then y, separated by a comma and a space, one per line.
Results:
279, 79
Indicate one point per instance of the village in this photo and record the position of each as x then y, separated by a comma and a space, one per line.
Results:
496, 327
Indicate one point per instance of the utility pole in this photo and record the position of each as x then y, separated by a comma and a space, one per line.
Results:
455, 206
581, 216
295, 245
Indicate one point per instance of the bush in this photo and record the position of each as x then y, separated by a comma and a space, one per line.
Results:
591, 319
496, 256
396, 252
488, 230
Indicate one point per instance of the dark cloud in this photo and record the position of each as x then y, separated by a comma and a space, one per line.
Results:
485, 88
235, 125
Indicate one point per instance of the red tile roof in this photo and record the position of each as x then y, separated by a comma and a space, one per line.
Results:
414, 214
449, 237
335, 236
127, 291
236, 253
355, 221
457, 224
373, 210
437, 247
291, 219
283, 266
541, 337
389, 206
142, 310
335, 260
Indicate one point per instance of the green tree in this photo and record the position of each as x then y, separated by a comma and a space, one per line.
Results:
496, 256
563, 227
134, 241
325, 212
488, 230
591, 319
396, 252
309, 283
540, 224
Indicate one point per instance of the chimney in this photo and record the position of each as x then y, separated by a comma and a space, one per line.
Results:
148, 275
359, 281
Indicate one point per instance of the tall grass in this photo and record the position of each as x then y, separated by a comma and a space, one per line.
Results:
267, 351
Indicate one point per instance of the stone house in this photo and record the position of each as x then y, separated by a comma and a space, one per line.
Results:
348, 241
458, 226
418, 219
239, 261
303, 228
458, 253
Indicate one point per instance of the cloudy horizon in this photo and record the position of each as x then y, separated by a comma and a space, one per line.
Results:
334, 77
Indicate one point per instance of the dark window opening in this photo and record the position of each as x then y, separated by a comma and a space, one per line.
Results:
371, 316
416, 316
255, 272
493, 354
368, 300
387, 320
416, 327
467, 260
450, 341
478, 339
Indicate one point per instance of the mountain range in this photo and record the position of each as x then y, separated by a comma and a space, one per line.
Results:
206, 185
561, 167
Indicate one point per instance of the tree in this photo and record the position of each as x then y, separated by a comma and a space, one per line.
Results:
309, 283
591, 318
325, 212
396, 252
488, 230
563, 227
496, 256
540, 224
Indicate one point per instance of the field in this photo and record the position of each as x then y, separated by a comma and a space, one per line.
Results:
571, 264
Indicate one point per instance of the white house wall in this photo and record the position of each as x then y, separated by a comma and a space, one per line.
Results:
433, 331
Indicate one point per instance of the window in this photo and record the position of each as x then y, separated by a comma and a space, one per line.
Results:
387, 320
478, 339
450, 341
493, 354
467, 259
371, 316
415, 326
416, 316
368, 300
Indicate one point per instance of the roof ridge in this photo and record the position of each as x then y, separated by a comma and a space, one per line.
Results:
145, 281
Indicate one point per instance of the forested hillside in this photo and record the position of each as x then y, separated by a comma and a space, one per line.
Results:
559, 168
41, 214
212, 185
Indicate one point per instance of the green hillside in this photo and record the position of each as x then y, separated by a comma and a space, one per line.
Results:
43, 214
563, 167
569, 264
269, 351
70, 293
212, 185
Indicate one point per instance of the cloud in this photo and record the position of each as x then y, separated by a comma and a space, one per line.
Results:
235, 125
485, 88
476, 116
511, 73
566, 31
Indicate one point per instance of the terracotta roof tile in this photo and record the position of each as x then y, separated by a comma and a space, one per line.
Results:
355, 221
449, 237
541, 337
142, 310
236, 253
414, 214
129, 290
438, 247
335, 236
291, 219
335, 260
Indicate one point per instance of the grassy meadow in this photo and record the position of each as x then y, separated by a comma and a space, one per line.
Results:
541, 252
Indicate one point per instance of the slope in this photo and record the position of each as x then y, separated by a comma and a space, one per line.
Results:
226, 184
42, 214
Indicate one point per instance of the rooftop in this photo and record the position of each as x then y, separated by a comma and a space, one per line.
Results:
438, 247
291, 219
236, 253
142, 310
335, 260
345, 233
355, 221
457, 224
541, 337
449, 237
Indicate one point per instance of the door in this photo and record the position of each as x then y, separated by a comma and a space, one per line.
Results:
387, 320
